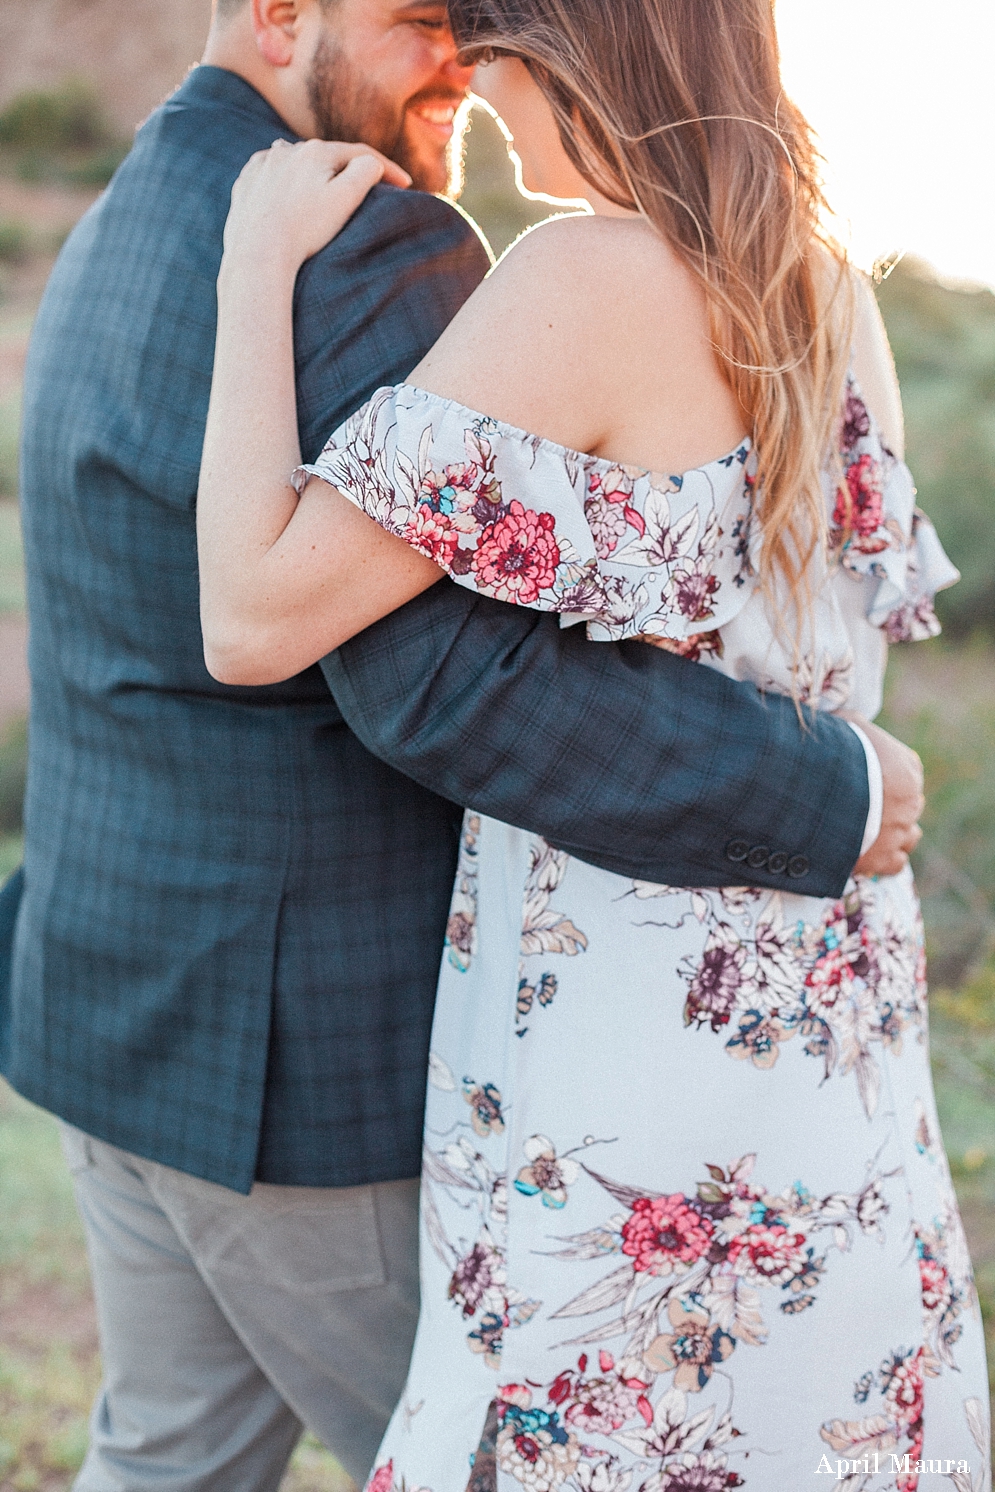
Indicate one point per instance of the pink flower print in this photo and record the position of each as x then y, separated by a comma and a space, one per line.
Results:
912, 622
691, 590
608, 510
477, 1272
856, 421
904, 1392
614, 486
845, 952
452, 491
546, 1173
433, 535
901, 1379
459, 933
517, 556
768, 1254
607, 522
864, 481
382, 1479
942, 1300
705, 1472
716, 983
935, 1282
601, 1405
859, 510
665, 1235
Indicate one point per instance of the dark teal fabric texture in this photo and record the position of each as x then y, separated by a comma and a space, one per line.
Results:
226, 940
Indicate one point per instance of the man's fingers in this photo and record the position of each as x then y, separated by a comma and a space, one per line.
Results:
889, 854
902, 782
912, 839
881, 861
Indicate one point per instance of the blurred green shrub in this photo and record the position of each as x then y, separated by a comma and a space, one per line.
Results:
11, 545
940, 700
15, 240
489, 194
13, 776
65, 118
96, 170
944, 344
10, 421
61, 134
92, 169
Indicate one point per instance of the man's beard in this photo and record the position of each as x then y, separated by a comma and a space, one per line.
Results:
349, 109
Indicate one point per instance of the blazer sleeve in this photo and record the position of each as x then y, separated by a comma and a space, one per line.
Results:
633, 759
371, 304
629, 757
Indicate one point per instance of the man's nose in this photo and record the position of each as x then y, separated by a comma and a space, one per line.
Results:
456, 77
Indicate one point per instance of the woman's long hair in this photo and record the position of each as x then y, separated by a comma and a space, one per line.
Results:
675, 108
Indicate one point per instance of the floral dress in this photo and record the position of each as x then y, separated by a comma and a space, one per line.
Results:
687, 1223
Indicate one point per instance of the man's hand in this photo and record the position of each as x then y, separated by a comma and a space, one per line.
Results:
901, 770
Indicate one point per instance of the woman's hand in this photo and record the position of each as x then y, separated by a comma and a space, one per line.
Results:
291, 200
283, 580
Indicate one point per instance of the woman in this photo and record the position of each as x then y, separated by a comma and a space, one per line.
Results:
687, 1221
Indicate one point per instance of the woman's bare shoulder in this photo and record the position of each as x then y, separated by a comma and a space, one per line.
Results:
602, 260
540, 341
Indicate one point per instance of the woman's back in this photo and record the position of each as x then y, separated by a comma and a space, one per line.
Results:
591, 333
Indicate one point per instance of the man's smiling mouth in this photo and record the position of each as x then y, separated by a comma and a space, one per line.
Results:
438, 116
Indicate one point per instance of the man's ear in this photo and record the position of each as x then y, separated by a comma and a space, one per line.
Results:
275, 24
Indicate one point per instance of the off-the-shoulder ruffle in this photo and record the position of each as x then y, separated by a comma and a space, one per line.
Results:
878, 532
522, 519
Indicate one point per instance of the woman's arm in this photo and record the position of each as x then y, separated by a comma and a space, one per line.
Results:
283, 580
874, 367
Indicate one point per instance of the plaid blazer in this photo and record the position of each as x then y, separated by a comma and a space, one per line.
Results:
227, 931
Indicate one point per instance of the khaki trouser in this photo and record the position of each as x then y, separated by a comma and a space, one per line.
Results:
228, 1322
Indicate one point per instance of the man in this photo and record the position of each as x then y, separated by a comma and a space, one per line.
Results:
211, 985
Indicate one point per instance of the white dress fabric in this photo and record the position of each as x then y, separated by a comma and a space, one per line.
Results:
687, 1220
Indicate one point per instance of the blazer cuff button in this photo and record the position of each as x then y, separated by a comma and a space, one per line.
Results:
758, 857
778, 863
798, 866
737, 849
